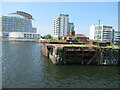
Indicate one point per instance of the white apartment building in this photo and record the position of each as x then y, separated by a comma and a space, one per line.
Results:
102, 32
117, 37
62, 25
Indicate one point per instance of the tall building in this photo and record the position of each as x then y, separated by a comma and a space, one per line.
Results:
17, 26
62, 27
102, 32
70, 28
117, 37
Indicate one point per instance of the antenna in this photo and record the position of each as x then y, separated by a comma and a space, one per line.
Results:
98, 28
99, 22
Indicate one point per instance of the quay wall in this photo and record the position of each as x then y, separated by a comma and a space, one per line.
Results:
44, 49
80, 55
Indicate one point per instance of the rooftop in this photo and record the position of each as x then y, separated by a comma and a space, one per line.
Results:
63, 14
24, 14
80, 35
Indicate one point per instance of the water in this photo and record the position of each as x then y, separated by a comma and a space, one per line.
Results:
24, 66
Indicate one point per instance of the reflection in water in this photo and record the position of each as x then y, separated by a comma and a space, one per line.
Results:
25, 67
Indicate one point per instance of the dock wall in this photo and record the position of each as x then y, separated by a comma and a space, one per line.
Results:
44, 49
81, 55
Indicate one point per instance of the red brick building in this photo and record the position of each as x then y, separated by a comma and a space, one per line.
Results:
81, 37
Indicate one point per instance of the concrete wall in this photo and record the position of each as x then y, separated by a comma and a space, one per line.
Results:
23, 35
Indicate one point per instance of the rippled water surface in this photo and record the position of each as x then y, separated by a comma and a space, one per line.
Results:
24, 66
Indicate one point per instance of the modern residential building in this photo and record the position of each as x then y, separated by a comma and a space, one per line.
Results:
62, 26
17, 26
117, 37
102, 32
70, 28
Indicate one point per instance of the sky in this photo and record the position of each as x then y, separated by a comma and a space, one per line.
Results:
82, 14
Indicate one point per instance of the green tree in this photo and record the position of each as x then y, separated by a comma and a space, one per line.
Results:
76, 40
48, 36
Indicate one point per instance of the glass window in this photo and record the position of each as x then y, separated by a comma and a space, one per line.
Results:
98, 28
24, 35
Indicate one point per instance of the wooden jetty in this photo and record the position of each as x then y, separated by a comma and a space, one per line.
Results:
66, 53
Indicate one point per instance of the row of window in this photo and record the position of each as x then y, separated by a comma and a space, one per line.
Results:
23, 28
31, 35
27, 27
107, 27
16, 24
14, 18
26, 23
14, 30
3, 21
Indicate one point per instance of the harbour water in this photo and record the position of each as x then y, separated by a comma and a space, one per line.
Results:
24, 66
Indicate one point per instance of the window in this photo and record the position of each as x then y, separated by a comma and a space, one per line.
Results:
24, 35
98, 28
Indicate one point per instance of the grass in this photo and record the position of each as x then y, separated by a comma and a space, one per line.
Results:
57, 41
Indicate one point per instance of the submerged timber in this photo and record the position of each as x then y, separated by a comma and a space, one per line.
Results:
77, 53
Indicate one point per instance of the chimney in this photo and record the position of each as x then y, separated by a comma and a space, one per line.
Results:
72, 33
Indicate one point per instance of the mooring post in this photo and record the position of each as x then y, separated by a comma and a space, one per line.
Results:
64, 54
82, 56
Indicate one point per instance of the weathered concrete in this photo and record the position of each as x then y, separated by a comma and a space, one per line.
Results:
80, 54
